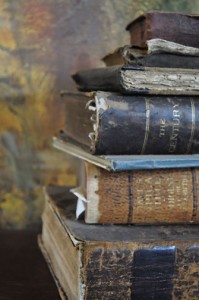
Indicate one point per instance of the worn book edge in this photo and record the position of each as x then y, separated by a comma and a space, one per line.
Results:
130, 53
164, 46
159, 81
156, 12
131, 79
76, 243
181, 239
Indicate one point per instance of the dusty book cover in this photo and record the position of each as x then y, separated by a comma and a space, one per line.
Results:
160, 53
108, 123
120, 262
129, 79
171, 26
140, 197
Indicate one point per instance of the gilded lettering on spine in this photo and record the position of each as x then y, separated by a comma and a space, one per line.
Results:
193, 125
175, 128
147, 126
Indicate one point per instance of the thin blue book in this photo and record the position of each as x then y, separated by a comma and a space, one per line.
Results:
118, 163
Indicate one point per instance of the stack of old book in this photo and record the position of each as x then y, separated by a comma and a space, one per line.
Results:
133, 232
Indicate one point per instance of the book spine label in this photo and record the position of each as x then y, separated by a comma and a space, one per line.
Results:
146, 125
153, 272
166, 271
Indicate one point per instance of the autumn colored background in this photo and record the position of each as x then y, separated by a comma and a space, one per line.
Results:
42, 42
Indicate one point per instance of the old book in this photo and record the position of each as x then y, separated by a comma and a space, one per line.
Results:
117, 261
129, 79
160, 60
109, 123
164, 46
140, 196
160, 53
175, 27
119, 163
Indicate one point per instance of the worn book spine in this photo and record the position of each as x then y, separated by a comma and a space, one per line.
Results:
77, 118
175, 27
144, 125
142, 197
154, 271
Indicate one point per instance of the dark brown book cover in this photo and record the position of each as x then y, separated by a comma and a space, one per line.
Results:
171, 26
119, 262
115, 124
130, 79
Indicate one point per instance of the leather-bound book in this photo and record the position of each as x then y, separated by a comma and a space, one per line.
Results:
141, 196
130, 79
109, 123
171, 26
116, 261
159, 53
159, 60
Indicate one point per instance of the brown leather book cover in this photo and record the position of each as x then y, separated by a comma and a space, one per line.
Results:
175, 27
117, 261
142, 197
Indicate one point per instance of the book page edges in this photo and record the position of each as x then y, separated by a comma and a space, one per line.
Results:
75, 245
75, 241
164, 46
160, 81
49, 263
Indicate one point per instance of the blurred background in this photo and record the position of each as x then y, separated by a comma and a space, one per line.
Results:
42, 42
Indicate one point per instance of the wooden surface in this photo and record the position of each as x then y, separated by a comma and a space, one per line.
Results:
24, 274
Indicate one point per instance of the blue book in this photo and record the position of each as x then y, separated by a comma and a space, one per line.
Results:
117, 163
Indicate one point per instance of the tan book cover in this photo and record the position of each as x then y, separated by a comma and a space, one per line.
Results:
141, 197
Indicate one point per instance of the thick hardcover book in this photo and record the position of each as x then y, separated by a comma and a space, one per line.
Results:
140, 197
115, 124
117, 261
129, 79
175, 27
